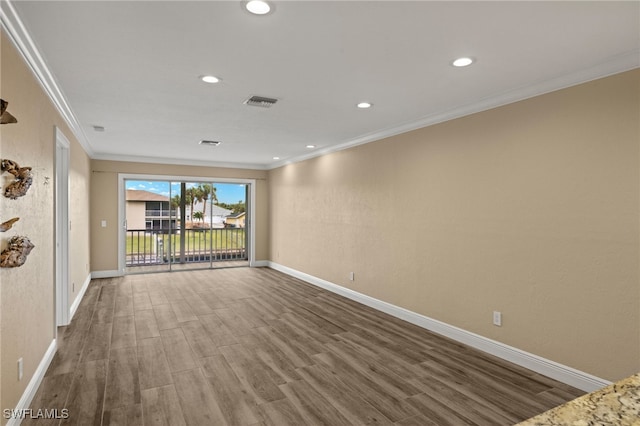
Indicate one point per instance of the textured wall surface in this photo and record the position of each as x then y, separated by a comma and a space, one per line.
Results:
531, 209
27, 298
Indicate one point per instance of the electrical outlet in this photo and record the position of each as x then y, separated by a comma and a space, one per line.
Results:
497, 318
352, 276
20, 369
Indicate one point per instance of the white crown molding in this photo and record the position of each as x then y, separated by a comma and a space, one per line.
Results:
178, 161
614, 65
18, 34
562, 373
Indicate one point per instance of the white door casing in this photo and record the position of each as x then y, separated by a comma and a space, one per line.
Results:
62, 225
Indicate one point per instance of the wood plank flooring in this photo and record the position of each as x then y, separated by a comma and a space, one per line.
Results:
248, 346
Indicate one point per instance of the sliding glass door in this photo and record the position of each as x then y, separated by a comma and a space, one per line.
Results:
179, 224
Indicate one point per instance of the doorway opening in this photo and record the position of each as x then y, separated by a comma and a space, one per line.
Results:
62, 228
172, 224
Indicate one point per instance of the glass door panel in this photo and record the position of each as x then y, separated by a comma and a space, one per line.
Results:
178, 225
148, 221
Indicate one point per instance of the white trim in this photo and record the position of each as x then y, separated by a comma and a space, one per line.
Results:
260, 264
62, 227
617, 64
107, 274
34, 383
79, 296
562, 373
179, 161
27, 48
198, 179
122, 225
252, 220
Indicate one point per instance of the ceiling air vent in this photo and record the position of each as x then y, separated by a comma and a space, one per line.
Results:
260, 101
210, 143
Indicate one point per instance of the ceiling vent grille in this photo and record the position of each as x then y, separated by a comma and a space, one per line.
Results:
210, 143
260, 101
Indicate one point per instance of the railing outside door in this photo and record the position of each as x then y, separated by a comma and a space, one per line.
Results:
146, 247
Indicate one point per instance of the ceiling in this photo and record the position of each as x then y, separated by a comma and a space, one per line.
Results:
134, 67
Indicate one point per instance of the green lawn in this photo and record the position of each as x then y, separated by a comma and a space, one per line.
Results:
196, 241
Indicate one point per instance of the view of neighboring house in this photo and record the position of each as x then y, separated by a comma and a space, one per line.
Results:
147, 210
236, 220
212, 214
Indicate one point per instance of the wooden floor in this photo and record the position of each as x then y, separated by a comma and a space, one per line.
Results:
255, 347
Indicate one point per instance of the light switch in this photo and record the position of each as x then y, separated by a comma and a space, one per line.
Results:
104, 223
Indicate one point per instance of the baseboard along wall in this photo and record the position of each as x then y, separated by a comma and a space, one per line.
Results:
107, 274
546, 367
76, 302
549, 368
34, 384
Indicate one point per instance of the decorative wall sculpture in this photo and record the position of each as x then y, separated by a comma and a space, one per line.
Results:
23, 180
5, 226
19, 246
17, 252
5, 117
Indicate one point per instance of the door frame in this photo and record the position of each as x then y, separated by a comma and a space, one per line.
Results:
62, 226
122, 226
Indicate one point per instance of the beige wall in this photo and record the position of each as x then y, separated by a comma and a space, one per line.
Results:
531, 209
136, 213
104, 241
27, 298
79, 202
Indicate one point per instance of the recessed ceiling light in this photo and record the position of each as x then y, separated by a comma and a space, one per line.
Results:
276, 158
364, 105
98, 128
462, 62
258, 7
311, 146
209, 79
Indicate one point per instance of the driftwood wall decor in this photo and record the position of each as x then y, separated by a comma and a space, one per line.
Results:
19, 246
5, 226
16, 254
22, 182
5, 117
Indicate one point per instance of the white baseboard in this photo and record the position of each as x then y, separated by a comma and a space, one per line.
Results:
79, 296
34, 383
562, 373
107, 274
260, 263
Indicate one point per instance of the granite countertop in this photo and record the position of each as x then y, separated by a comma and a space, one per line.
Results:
617, 404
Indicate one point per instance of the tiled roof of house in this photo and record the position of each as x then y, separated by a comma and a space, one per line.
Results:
212, 210
236, 215
139, 195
